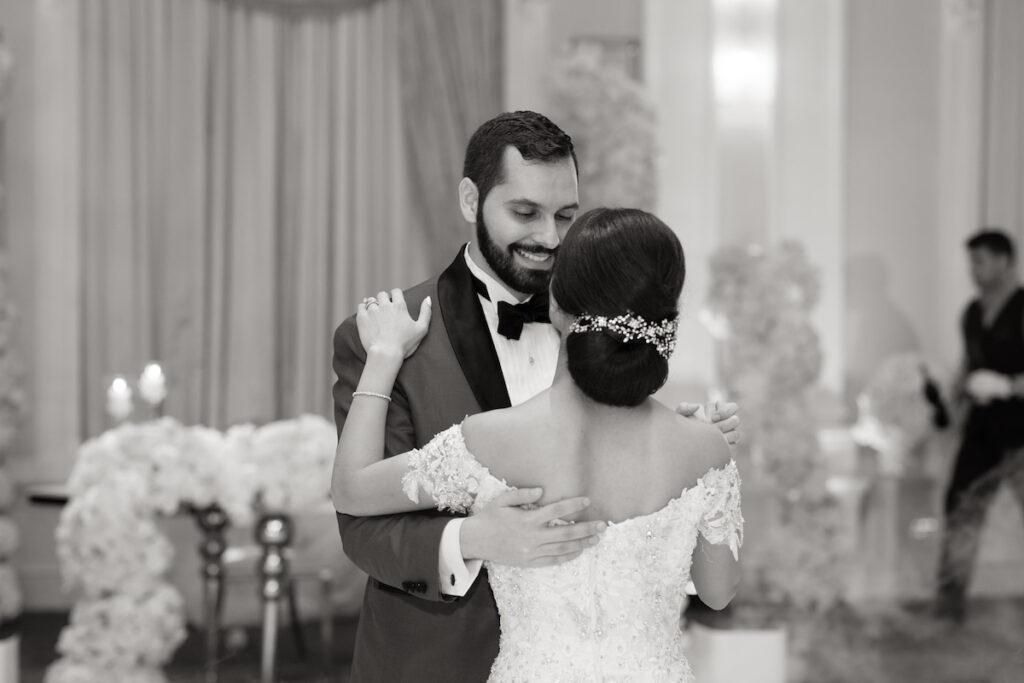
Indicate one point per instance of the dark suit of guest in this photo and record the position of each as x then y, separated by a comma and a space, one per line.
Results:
992, 443
408, 629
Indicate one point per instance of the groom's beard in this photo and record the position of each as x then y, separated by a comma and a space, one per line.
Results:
503, 263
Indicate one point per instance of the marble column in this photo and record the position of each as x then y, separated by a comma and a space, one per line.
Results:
677, 42
1003, 189
55, 376
809, 156
961, 123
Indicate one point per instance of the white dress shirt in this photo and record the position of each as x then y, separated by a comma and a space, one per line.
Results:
528, 364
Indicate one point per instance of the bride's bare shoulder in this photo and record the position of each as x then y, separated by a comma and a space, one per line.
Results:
486, 432
698, 445
484, 423
510, 433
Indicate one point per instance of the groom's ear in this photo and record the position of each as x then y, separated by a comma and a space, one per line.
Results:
469, 196
559, 318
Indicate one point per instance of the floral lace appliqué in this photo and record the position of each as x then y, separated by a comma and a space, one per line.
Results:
445, 470
723, 520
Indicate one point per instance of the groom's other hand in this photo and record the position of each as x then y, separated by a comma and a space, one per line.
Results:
721, 414
505, 533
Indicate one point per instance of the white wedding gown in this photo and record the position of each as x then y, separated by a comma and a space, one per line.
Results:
611, 614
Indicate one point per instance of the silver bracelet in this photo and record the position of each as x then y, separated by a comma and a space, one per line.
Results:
371, 393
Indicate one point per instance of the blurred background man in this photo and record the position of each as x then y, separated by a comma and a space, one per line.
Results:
992, 449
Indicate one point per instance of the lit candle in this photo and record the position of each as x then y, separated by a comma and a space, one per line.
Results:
153, 384
119, 399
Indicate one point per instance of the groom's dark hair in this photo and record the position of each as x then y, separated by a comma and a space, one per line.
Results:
532, 134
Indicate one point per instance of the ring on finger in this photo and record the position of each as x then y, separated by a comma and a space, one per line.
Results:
370, 301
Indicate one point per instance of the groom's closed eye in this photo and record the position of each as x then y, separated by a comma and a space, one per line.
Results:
527, 215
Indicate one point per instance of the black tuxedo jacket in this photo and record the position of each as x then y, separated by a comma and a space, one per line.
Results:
408, 630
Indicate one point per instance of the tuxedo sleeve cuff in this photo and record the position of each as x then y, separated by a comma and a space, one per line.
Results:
456, 573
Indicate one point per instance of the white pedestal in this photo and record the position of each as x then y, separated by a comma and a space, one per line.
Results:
737, 655
9, 648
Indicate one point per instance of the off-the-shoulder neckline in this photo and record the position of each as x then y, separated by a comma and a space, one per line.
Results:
696, 486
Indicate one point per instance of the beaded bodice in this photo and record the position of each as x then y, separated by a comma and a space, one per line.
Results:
611, 614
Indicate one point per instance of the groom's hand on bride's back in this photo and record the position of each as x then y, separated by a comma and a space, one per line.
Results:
723, 415
505, 533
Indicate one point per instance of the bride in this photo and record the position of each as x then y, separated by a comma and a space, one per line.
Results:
665, 485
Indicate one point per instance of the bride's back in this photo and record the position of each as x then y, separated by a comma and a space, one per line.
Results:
612, 613
628, 461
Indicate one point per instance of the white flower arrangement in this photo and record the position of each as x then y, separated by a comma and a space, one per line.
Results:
769, 357
12, 396
612, 123
282, 467
107, 545
894, 417
125, 631
129, 620
769, 354
12, 405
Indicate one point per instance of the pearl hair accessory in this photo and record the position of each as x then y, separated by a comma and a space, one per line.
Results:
661, 335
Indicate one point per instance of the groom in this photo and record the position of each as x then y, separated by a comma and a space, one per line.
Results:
427, 615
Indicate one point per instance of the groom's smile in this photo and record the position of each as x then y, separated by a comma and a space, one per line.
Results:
545, 256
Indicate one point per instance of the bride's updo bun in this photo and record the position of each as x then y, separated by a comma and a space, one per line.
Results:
613, 262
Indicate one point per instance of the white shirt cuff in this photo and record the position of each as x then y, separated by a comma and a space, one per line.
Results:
456, 573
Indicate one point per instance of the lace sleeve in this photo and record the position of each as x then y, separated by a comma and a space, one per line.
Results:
445, 470
722, 521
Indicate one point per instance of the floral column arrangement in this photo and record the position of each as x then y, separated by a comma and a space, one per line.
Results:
129, 619
12, 401
769, 358
612, 123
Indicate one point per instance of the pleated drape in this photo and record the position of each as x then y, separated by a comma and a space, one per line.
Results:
244, 185
452, 76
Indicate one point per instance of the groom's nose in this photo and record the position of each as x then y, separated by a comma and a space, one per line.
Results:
546, 234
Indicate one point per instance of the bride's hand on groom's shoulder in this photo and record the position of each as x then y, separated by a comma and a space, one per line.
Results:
386, 327
723, 415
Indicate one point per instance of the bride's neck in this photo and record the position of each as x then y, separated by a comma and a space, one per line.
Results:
567, 393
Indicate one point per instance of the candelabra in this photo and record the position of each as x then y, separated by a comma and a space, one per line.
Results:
274, 533
212, 521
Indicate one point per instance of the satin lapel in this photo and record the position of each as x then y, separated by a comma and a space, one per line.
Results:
467, 330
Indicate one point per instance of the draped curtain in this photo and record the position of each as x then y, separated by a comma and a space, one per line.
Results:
452, 76
244, 184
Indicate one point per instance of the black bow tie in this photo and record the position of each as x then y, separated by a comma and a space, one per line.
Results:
511, 318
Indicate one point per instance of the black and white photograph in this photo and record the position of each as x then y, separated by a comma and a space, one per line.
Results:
511, 341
